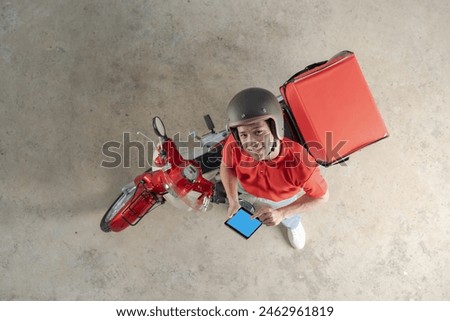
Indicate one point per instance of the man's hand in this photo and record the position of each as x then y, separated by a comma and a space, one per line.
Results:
233, 208
269, 216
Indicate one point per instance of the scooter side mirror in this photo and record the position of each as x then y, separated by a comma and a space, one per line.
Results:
159, 128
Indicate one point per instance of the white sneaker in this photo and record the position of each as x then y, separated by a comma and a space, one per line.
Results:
297, 237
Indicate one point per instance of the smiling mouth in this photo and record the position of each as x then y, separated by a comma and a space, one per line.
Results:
256, 151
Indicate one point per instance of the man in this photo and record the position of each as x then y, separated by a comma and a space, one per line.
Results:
258, 160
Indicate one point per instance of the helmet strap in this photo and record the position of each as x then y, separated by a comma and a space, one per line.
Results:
274, 145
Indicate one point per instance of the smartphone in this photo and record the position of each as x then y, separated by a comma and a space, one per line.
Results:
242, 223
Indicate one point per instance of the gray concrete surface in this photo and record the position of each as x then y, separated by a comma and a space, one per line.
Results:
76, 74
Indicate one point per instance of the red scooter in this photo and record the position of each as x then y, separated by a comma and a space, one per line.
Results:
173, 178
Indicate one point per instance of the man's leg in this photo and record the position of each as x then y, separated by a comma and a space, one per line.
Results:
292, 222
296, 232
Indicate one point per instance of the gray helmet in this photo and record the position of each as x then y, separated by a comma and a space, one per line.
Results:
252, 105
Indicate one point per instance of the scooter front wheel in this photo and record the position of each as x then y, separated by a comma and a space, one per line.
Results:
115, 209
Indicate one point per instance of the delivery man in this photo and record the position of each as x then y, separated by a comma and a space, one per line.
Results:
259, 161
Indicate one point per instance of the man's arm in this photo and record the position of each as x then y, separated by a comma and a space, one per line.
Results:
303, 204
230, 183
271, 216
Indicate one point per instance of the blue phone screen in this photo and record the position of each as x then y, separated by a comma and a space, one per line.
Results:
242, 222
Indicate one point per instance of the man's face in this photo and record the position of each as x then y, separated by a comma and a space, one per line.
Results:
256, 139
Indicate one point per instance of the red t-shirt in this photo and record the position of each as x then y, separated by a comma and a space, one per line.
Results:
278, 179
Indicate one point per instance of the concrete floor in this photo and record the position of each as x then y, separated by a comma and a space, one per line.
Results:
76, 74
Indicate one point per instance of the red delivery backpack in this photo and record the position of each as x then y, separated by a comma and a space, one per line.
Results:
330, 109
